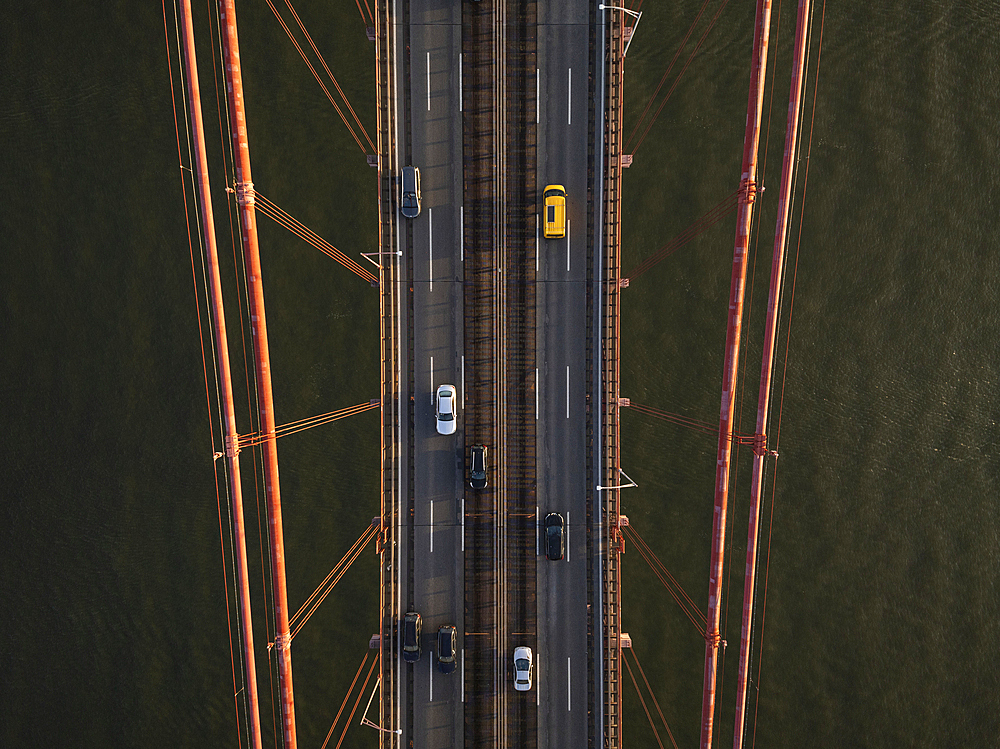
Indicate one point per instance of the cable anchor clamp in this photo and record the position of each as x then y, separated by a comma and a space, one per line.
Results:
760, 445
244, 193
749, 190
232, 445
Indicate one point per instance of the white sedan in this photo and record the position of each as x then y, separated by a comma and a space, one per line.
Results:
444, 409
522, 669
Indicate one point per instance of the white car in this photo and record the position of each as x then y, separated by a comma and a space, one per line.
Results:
444, 409
522, 669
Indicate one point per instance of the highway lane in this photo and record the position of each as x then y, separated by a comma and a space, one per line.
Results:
435, 253
563, 90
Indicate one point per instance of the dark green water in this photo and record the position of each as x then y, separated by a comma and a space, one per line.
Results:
882, 601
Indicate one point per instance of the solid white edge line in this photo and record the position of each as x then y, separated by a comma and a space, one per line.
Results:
569, 97
430, 662
461, 233
459, 81
537, 388
430, 247
538, 95
430, 528
538, 680
463, 382
538, 534
432, 380
567, 391
567, 535
569, 692
463, 544
462, 688
428, 81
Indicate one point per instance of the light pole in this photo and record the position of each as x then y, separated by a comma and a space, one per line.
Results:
637, 15
620, 486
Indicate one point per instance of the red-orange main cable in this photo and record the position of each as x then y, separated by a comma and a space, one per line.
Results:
262, 363
767, 363
200, 168
791, 304
751, 139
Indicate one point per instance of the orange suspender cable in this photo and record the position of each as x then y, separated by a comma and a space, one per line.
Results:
258, 327
748, 189
200, 158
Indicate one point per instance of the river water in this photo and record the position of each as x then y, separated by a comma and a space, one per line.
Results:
881, 603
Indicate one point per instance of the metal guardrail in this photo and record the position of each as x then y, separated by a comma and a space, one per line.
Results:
611, 584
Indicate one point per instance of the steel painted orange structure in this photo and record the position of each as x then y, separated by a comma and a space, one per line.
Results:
200, 166
748, 189
760, 451
258, 327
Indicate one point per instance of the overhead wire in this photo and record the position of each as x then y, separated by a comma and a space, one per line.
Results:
361, 693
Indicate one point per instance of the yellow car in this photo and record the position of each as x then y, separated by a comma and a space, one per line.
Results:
555, 212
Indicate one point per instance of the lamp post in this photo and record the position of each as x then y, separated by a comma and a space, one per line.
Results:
620, 486
637, 15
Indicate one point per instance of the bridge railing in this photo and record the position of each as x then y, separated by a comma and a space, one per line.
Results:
611, 583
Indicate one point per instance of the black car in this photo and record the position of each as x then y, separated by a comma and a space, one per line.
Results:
409, 192
477, 467
553, 525
447, 639
412, 627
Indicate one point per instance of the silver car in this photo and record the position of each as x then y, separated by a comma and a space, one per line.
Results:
444, 409
522, 669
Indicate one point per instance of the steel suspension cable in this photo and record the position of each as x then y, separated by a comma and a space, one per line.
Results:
361, 541
344, 703
330, 73
326, 91
331, 585
655, 701
698, 426
688, 608
643, 701
667, 73
280, 216
681, 74
256, 438
361, 693
714, 215
641, 543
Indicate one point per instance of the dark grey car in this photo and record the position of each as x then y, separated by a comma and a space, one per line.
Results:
412, 627
477, 467
409, 192
447, 648
554, 548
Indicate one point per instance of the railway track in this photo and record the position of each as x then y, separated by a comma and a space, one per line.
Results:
481, 52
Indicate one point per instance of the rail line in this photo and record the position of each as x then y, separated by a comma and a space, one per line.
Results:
482, 49
519, 358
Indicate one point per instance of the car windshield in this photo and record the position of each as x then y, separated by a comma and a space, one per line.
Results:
521, 664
